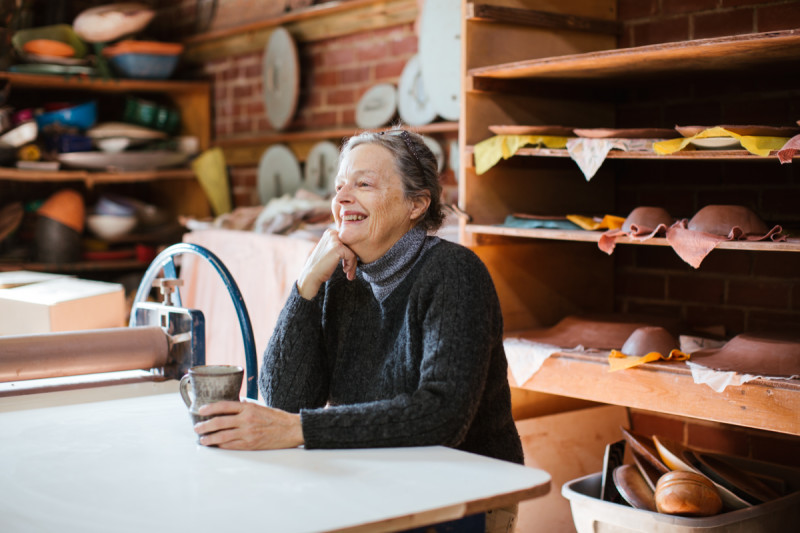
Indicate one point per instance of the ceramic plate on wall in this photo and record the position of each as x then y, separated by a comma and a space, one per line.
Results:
280, 78
453, 159
278, 173
321, 166
414, 104
440, 55
377, 107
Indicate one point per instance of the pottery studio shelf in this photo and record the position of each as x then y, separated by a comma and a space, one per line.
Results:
594, 236
77, 267
92, 178
668, 387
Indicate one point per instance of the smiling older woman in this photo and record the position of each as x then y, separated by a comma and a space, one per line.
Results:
391, 336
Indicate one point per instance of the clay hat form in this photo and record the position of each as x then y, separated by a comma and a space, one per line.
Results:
600, 333
646, 220
724, 219
769, 355
649, 339
693, 240
67, 207
641, 224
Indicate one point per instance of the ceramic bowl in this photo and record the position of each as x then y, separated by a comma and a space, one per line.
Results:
687, 494
81, 116
110, 227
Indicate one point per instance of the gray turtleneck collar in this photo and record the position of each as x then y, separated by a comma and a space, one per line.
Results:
386, 273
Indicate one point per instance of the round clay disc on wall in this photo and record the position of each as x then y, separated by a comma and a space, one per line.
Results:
321, 166
377, 107
440, 55
414, 104
278, 173
280, 78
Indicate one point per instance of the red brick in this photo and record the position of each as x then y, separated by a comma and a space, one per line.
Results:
639, 285
704, 316
341, 96
765, 294
660, 258
695, 289
775, 322
648, 423
636, 9
325, 79
404, 46
354, 75
739, 3
654, 308
779, 17
242, 126
323, 119
781, 201
376, 51
348, 116
242, 91
727, 262
338, 57
673, 7
661, 31
743, 197
776, 448
723, 23
718, 438
390, 70
796, 297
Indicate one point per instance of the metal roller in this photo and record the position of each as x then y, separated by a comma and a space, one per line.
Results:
24, 357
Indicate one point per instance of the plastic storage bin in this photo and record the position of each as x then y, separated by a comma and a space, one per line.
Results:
593, 515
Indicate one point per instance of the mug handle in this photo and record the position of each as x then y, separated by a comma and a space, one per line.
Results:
183, 388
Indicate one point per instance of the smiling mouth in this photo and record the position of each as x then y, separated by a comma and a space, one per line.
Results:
353, 218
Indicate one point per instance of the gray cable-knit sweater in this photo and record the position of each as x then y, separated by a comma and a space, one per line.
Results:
410, 353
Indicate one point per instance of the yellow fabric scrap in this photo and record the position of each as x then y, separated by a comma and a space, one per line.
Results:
213, 177
619, 361
756, 145
489, 151
589, 223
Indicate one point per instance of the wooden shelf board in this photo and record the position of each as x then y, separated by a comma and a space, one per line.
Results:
314, 23
540, 19
683, 155
594, 236
706, 55
669, 388
90, 178
48, 81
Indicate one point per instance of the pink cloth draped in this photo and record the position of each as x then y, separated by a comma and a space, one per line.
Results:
693, 246
265, 267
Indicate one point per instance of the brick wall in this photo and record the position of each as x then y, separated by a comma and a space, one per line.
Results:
732, 290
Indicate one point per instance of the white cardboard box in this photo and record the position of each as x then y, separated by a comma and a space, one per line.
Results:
62, 304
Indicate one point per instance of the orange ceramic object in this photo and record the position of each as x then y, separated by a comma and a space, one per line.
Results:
67, 207
687, 494
48, 47
143, 47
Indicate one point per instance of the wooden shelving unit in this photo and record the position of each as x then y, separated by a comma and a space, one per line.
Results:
543, 275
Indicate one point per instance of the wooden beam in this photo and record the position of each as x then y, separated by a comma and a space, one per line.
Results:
324, 21
541, 19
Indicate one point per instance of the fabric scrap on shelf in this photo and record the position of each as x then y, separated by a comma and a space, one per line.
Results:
756, 145
620, 361
787, 152
608, 222
717, 379
525, 357
490, 151
693, 246
589, 154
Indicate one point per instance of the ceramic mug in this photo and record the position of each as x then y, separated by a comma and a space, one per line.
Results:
208, 384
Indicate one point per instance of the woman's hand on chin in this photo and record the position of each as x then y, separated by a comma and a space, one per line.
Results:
248, 426
319, 267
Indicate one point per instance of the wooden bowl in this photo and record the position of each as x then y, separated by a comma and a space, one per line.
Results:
687, 494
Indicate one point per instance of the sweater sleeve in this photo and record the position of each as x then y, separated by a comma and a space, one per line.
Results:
293, 372
455, 321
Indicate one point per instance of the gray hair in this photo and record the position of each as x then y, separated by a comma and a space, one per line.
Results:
416, 165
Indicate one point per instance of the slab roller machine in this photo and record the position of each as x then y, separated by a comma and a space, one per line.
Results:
162, 337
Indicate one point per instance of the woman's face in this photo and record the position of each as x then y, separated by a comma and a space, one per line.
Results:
370, 207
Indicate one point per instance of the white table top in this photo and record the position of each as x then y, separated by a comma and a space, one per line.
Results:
77, 461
